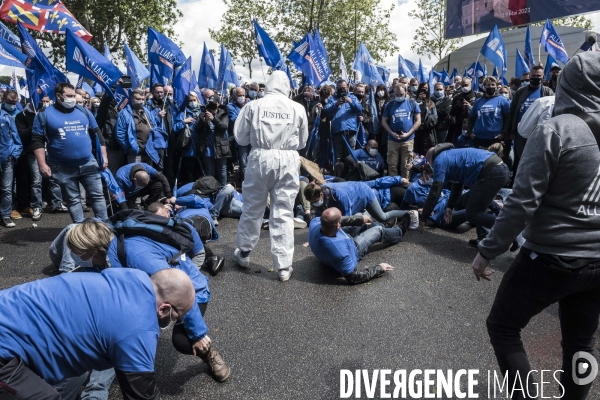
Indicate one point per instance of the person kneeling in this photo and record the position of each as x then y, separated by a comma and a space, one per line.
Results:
341, 242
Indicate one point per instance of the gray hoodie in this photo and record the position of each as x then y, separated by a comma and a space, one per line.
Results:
556, 193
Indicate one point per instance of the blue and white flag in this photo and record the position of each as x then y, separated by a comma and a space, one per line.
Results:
403, 68
454, 74
163, 53
121, 97
135, 68
521, 66
553, 43
11, 56
364, 63
384, 73
267, 48
528, 51
550, 63
183, 85
207, 76
445, 78
494, 50
343, 70
227, 72
475, 69
321, 53
88, 89
10, 37
79, 83
83, 59
421, 73
414, 68
311, 58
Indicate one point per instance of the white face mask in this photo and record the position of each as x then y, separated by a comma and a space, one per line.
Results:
381, 93
439, 94
372, 152
505, 95
318, 203
466, 89
69, 103
241, 100
193, 104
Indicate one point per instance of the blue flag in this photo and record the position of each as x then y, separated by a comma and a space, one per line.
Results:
495, 73
207, 76
41, 75
550, 62
106, 51
414, 68
183, 85
135, 68
403, 68
267, 48
83, 59
7, 57
454, 74
373, 104
361, 138
431, 81
322, 53
196, 88
421, 73
10, 37
88, 89
163, 53
227, 72
445, 79
552, 43
364, 63
311, 58
521, 66
384, 73
156, 76
79, 83
528, 52
494, 50
121, 97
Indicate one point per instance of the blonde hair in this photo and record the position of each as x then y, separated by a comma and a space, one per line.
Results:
497, 148
90, 235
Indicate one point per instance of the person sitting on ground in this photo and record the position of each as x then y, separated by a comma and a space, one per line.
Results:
137, 180
341, 242
52, 334
352, 198
389, 191
207, 193
95, 240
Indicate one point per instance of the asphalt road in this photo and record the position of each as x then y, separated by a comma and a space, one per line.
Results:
290, 340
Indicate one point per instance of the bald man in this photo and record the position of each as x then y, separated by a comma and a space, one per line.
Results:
139, 180
51, 334
341, 242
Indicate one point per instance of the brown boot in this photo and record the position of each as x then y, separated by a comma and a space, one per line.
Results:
218, 367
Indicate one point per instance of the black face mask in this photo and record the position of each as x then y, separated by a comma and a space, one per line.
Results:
341, 92
554, 78
359, 96
490, 91
535, 82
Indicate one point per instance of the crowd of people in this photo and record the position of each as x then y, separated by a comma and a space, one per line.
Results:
447, 155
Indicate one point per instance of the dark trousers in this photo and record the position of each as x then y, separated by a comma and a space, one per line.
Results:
180, 339
23, 179
530, 286
520, 143
154, 190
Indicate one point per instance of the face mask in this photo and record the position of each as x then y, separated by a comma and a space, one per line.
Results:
506, 96
68, 103
400, 99
535, 82
318, 203
171, 322
438, 94
359, 96
372, 152
79, 262
193, 104
252, 94
137, 105
169, 99
466, 89
414, 88
490, 91
428, 182
307, 95
10, 107
341, 92
523, 84
261, 95
241, 100
464, 132
554, 78
381, 93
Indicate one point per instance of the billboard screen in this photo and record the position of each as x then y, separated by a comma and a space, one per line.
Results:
469, 17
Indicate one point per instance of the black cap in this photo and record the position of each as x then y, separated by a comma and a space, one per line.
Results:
214, 99
555, 67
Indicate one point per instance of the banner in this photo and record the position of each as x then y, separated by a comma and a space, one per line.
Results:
552, 43
470, 17
494, 50
183, 85
403, 68
135, 68
311, 58
364, 63
42, 15
163, 53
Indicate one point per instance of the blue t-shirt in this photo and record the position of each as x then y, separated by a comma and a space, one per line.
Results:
401, 117
460, 165
150, 256
488, 114
69, 324
381, 188
374, 162
338, 252
191, 200
192, 212
532, 96
350, 197
69, 142
417, 193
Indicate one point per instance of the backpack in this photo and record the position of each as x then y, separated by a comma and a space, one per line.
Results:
204, 187
170, 231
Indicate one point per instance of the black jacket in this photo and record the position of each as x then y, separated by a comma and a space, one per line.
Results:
24, 123
518, 100
443, 108
220, 122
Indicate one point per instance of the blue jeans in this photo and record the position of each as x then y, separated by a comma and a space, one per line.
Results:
367, 235
36, 182
375, 211
6, 187
69, 179
99, 385
243, 152
217, 168
226, 204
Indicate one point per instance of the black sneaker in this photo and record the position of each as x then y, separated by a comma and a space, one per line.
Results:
404, 223
7, 222
514, 247
215, 264
390, 223
307, 218
474, 242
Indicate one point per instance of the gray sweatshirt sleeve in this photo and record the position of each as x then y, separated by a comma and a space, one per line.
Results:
536, 169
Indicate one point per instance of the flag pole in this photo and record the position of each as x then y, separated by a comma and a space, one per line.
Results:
540, 53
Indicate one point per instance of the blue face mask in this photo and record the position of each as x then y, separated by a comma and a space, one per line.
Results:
10, 107
80, 263
318, 203
400, 99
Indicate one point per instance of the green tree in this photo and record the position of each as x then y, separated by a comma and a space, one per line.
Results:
114, 22
578, 21
430, 38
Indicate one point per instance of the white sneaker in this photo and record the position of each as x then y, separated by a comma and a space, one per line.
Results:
242, 261
414, 220
285, 274
299, 223
216, 222
37, 214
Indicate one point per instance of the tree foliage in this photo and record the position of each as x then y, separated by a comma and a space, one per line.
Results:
290, 20
578, 21
115, 22
430, 38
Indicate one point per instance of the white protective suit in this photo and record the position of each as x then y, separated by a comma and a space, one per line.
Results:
276, 127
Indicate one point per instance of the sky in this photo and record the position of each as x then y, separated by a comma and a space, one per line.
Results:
193, 34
